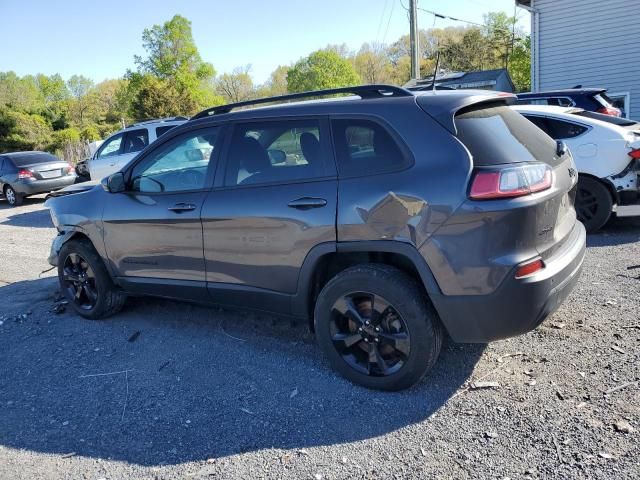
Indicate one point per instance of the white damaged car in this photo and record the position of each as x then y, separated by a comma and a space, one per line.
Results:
606, 151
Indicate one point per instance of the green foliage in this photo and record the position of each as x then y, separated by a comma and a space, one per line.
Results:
22, 131
62, 138
520, 64
321, 70
158, 98
90, 133
236, 86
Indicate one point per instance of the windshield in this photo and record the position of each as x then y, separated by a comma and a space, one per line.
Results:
32, 158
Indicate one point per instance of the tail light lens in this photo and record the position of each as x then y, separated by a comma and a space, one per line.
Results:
70, 169
511, 182
635, 153
23, 174
613, 111
529, 268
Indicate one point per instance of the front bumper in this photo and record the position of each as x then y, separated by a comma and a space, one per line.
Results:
518, 305
33, 187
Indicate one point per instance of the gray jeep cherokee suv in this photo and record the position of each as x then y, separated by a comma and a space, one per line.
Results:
386, 217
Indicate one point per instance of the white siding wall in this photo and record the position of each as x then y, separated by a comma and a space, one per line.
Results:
593, 43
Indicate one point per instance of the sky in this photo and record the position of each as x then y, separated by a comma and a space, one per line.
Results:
98, 39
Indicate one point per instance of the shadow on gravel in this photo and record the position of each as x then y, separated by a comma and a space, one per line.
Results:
617, 232
35, 219
200, 383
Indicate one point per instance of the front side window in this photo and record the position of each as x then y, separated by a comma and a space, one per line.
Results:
136, 140
364, 147
280, 151
111, 147
179, 165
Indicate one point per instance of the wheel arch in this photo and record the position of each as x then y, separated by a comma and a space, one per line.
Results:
324, 261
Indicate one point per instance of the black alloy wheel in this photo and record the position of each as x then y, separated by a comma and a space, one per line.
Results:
79, 280
369, 334
593, 203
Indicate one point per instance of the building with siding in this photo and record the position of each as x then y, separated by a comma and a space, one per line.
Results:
592, 43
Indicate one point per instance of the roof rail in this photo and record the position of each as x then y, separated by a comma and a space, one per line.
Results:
363, 91
158, 120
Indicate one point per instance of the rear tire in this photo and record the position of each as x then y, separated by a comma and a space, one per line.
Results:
85, 282
593, 203
13, 198
394, 337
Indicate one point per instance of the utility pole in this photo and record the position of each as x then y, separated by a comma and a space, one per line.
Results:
415, 42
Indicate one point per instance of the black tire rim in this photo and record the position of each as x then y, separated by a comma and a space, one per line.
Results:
369, 334
586, 204
79, 281
11, 196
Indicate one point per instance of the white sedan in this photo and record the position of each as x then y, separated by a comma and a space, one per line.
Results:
607, 154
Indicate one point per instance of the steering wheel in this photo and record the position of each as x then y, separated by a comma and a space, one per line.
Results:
191, 178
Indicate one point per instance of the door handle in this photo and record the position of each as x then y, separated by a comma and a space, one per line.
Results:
305, 203
182, 207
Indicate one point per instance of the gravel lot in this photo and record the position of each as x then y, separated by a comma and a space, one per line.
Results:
202, 392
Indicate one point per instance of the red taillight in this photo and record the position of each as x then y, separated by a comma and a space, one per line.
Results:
613, 111
529, 268
635, 153
22, 174
510, 182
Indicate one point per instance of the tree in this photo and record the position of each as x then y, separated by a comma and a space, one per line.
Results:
372, 64
20, 93
321, 70
23, 131
236, 86
277, 83
174, 58
158, 98
520, 64
80, 88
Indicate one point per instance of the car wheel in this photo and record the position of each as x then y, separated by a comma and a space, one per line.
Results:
593, 203
85, 282
13, 198
377, 327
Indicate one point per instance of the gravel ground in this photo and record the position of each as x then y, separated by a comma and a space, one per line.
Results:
167, 390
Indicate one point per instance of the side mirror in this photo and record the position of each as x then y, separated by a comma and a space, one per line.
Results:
114, 183
561, 148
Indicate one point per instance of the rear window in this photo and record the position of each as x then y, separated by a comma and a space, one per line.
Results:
31, 158
496, 134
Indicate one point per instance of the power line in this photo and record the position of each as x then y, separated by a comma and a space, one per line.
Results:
448, 17
380, 23
393, 4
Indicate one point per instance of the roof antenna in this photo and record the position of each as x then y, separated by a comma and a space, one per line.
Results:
435, 73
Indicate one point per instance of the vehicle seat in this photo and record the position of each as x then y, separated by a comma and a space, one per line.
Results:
310, 147
253, 157
135, 145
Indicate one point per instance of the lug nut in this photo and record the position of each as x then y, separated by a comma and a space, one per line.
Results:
377, 329
377, 340
366, 340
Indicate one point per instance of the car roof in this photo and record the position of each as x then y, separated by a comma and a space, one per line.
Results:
440, 104
566, 91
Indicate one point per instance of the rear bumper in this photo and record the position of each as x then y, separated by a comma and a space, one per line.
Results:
518, 305
33, 187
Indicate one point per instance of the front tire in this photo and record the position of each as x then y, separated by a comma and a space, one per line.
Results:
85, 282
593, 203
377, 328
13, 198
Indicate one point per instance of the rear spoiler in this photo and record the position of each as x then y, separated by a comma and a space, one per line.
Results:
443, 106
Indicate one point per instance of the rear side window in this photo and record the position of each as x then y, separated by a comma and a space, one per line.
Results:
496, 134
364, 147
136, 140
282, 151
562, 130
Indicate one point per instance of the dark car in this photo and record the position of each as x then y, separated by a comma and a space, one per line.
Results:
591, 99
386, 218
29, 173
